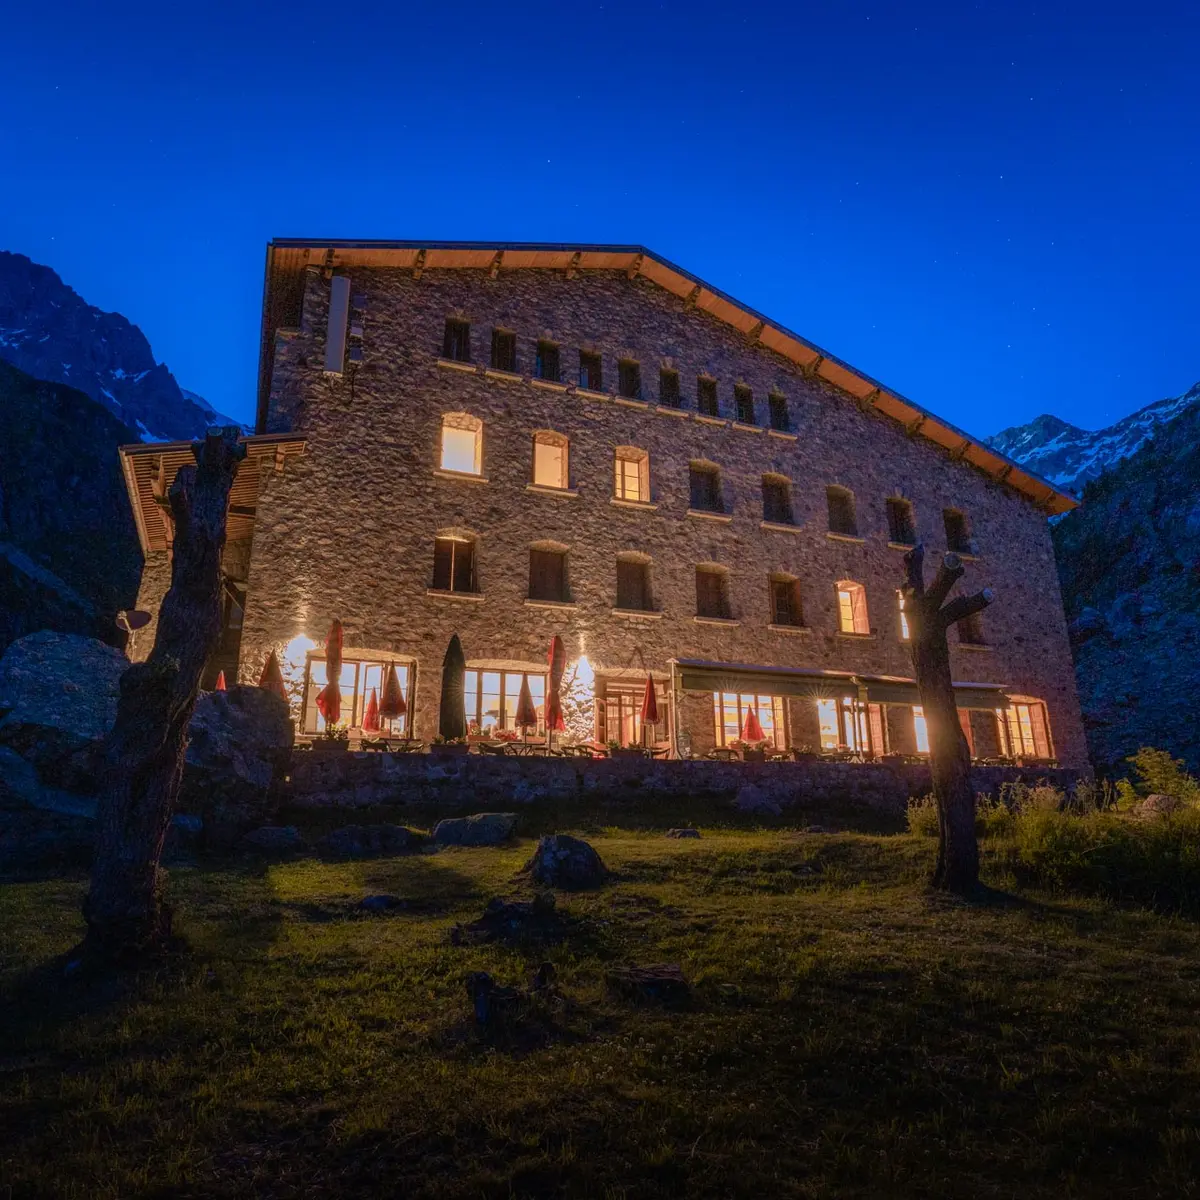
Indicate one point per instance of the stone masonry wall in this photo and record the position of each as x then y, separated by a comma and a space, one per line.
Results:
364, 780
347, 529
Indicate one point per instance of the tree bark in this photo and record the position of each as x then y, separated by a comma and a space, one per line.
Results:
929, 620
127, 917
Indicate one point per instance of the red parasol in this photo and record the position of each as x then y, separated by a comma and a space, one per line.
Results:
557, 658
371, 716
219, 686
392, 705
752, 731
650, 703
329, 699
526, 713
272, 677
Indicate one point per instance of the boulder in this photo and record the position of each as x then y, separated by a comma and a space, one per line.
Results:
381, 903
58, 700
367, 841
683, 833
536, 920
662, 983
275, 841
239, 750
1158, 804
566, 862
481, 829
754, 799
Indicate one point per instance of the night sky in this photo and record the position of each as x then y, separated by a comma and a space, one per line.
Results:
991, 207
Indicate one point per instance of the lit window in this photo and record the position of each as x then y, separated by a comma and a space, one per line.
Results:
462, 443
921, 729
632, 474
904, 633
356, 683
1024, 730
550, 460
491, 701
729, 713
621, 715
842, 725
852, 608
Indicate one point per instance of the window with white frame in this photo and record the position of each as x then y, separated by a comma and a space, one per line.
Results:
358, 679
462, 444
632, 467
729, 713
550, 459
852, 607
491, 700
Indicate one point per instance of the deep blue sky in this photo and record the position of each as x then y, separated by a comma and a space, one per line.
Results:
989, 206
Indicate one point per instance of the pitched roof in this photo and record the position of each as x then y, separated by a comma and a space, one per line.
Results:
283, 291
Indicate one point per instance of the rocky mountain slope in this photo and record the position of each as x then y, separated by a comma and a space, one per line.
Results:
69, 555
1129, 562
48, 331
1070, 457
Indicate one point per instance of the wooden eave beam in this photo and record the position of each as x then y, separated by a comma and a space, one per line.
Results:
914, 426
689, 301
496, 262
1004, 472
960, 452
635, 268
573, 267
867, 402
755, 332
418, 264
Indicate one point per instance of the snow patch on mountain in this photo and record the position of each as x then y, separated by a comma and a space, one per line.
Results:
1070, 457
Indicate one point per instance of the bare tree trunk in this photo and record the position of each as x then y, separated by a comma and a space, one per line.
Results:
929, 619
126, 915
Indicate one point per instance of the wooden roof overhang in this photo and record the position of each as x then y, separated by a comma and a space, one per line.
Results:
287, 259
150, 469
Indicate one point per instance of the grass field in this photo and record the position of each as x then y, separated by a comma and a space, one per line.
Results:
851, 1034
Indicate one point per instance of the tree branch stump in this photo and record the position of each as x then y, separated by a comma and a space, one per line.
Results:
930, 617
127, 917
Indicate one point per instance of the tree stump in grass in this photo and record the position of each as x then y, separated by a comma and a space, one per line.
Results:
127, 918
930, 617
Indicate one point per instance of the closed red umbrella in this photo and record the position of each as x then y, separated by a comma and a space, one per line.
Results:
752, 730
329, 699
650, 703
392, 705
557, 658
526, 713
219, 686
371, 716
272, 677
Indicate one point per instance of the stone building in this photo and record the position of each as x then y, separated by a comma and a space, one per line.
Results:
513, 442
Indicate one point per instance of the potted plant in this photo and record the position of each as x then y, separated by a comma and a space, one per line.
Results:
616, 750
334, 740
805, 753
447, 746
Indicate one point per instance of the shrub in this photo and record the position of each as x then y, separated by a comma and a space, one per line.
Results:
923, 817
1157, 771
1155, 863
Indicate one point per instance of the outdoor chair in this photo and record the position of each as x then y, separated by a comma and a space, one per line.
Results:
722, 754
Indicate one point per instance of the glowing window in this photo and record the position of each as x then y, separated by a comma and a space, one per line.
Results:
357, 681
632, 474
921, 729
462, 444
550, 460
852, 608
729, 713
904, 634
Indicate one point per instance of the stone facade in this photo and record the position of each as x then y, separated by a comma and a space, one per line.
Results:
347, 529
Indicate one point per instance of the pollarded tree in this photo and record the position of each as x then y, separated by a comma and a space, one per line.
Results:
127, 918
930, 617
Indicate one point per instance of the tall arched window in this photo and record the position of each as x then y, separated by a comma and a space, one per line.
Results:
551, 466
462, 444
852, 607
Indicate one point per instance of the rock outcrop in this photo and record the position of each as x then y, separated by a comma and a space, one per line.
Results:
566, 862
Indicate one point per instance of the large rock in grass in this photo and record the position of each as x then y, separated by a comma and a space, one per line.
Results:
567, 862
58, 700
481, 829
239, 749
1159, 804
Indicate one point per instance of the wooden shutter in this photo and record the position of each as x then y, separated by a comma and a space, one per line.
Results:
631, 585
710, 594
464, 566
858, 597
547, 575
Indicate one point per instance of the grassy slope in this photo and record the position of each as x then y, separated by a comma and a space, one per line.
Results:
852, 1035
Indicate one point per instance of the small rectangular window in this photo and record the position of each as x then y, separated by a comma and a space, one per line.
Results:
705, 489
743, 398
548, 575
902, 529
633, 586
504, 350
549, 464
712, 594
590, 373
668, 388
842, 517
706, 396
629, 479
958, 531
785, 602
779, 412
454, 565
547, 366
629, 379
777, 502
457, 342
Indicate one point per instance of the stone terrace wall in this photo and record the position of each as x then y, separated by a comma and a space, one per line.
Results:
361, 780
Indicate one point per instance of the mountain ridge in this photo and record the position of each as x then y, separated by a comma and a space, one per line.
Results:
49, 332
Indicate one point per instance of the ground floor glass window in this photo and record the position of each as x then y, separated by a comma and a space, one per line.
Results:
356, 682
491, 701
730, 709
